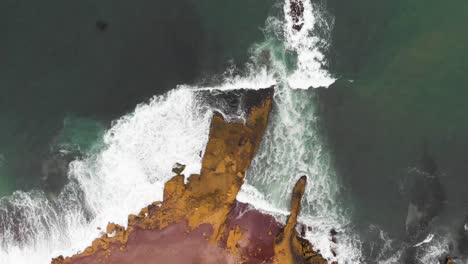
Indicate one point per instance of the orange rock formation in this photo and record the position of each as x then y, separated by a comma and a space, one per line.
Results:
289, 247
195, 221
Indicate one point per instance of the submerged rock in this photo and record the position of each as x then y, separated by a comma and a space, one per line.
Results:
101, 25
178, 168
297, 14
426, 201
200, 221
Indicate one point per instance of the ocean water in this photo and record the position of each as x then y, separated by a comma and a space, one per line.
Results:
96, 113
58, 64
394, 122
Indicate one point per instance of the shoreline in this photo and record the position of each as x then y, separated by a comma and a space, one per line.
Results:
201, 220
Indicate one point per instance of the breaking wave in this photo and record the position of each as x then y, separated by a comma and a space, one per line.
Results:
140, 149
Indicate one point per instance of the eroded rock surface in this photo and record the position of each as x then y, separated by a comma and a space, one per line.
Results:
200, 221
289, 246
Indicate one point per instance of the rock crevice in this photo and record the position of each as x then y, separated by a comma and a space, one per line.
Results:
200, 221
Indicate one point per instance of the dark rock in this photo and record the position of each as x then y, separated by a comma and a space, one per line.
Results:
297, 13
101, 25
178, 168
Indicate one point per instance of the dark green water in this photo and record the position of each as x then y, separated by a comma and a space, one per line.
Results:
60, 74
399, 99
408, 61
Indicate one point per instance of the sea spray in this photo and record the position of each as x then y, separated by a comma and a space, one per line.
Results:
292, 147
292, 144
128, 174
140, 149
306, 43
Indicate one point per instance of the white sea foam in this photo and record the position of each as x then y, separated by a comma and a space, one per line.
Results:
434, 249
387, 254
292, 147
305, 43
425, 241
141, 148
258, 79
249, 194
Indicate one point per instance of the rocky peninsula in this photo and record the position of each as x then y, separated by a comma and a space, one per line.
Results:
200, 220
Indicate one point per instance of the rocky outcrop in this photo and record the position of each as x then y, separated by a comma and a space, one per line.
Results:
200, 221
289, 247
449, 260
297, 14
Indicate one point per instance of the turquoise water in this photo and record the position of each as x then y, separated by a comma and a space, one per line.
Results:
57, 66
387, 137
